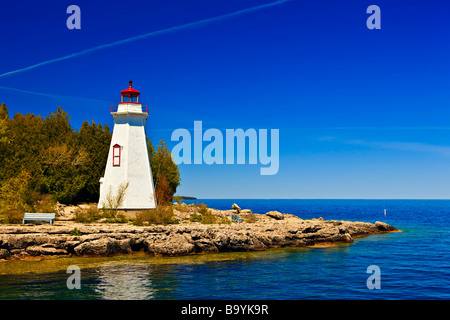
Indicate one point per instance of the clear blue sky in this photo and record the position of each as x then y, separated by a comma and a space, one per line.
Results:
362, 113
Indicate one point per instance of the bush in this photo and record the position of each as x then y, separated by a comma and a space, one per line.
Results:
87, 215
16, 193
161, 215
208, 217
181, 207
112, 202
202, 214
75, 232
195, 217
249, 217
44, 203
13, 215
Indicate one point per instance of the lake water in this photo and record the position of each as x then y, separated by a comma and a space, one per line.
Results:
414, 264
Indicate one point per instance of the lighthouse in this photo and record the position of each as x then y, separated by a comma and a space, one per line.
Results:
128, 166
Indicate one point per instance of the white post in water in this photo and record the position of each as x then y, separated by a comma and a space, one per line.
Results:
385, 212
128, 160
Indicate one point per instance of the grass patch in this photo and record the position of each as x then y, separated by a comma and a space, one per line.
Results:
75, 232
161, 215
202, 214
87, 215
249, 217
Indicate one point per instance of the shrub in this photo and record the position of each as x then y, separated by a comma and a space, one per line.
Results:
16, 193
195, 217
208, 217
112, 201
44, 203
75, 232
161, 215
177, 199
249, 217
13, 215
87, 215
119, 218
202, 214
224, 220
140, 218
181, 207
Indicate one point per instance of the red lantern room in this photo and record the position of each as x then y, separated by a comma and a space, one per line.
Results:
130, 95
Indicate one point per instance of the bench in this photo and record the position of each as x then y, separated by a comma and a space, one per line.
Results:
236, 218
39, 217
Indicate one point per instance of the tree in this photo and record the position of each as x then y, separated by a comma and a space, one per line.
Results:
163, 192
94, 139
61, 162
163, 168
16, 193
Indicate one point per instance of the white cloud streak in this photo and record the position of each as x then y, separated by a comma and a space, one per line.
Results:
51, 95
145, 36
405, 146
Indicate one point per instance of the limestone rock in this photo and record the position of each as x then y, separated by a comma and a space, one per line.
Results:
172, 244
382, 226
4, 253
275, 214
44, 250
236, 207
103, 247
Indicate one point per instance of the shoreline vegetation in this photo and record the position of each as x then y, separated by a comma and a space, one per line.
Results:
173, 230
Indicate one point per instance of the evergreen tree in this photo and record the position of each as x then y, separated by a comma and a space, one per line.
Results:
163, 168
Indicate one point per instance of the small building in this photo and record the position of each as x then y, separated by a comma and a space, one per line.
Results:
128, 164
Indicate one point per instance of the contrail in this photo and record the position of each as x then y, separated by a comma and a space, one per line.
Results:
146, 35
51, 95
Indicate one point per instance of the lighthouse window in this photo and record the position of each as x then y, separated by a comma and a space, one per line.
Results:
116, 155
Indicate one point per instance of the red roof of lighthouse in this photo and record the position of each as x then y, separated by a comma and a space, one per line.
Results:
130, 90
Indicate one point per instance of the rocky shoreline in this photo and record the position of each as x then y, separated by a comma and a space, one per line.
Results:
273, 229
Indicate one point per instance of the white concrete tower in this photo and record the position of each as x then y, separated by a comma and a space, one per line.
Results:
128, 160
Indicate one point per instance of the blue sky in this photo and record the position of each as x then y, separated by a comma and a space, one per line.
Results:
362, 113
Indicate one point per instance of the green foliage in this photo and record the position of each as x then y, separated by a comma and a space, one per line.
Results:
195, 217
64, 163
250, 217
87, 215
113, 201
16, 193
75, 232
43, 203
164, 170
12, 215
178, 199
161, 215
202, 214
208, 218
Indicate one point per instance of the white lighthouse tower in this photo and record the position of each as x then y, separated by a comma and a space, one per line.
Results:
128, 160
